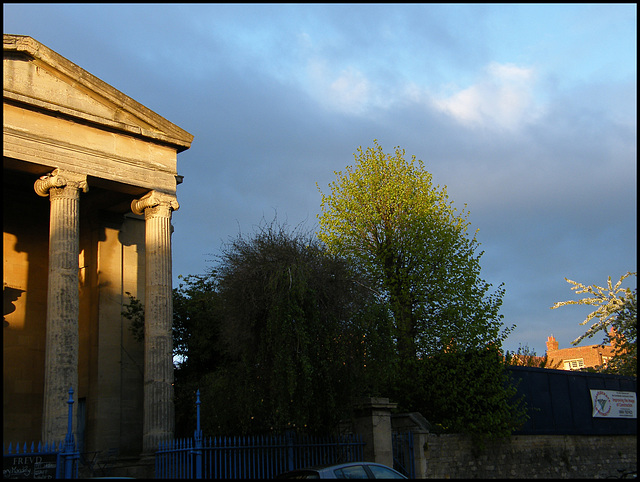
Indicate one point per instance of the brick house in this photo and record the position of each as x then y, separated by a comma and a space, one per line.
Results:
577, 357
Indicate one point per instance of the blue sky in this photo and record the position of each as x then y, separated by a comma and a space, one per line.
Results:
527, 113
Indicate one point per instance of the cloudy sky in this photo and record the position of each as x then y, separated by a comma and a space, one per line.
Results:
527, 113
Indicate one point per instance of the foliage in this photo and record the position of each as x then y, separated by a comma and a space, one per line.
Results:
624, 339
198, 347
526, 357
294, 330
196, 329
134, 312
617, 309
386, 215
465, 392
610, 301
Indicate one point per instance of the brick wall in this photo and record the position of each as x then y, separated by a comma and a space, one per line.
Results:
527, 456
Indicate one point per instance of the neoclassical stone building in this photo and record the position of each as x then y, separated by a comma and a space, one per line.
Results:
89, 187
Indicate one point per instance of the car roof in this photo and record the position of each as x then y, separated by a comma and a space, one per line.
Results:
320, 468
336, 466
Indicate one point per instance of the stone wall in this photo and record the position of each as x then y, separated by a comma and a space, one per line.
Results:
526, 456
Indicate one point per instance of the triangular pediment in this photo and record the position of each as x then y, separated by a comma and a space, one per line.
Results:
40, 78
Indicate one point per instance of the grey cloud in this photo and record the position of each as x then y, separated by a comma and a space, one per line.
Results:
555, 199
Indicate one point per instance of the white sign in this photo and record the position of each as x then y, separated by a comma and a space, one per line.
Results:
612, 404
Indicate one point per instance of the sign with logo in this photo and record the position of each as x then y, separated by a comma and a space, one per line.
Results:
613, 404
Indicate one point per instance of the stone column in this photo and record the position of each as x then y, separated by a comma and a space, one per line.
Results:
61, 348
159, 417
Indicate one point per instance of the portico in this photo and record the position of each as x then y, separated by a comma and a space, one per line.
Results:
94, 225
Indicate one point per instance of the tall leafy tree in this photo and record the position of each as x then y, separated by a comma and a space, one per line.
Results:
616, 307
293, 335
385, 214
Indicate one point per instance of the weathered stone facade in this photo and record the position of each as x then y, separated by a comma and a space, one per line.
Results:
89, 187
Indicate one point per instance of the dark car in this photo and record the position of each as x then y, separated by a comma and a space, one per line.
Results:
351, 470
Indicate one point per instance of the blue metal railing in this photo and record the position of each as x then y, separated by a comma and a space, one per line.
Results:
260, 456
403, 455
252, 457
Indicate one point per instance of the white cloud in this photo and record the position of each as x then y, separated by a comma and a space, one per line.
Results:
348, 91
503, 98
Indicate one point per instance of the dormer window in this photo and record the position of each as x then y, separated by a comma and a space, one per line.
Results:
575, 364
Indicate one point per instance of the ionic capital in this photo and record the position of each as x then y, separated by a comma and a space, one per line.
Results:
60, 179
153, 199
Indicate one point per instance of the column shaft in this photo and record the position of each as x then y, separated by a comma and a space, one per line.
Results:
61, 347
159, 417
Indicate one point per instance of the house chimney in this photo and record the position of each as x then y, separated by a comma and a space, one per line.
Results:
552, 344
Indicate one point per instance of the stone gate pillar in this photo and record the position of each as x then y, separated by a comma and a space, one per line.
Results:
159, 418
372, 420
63, 305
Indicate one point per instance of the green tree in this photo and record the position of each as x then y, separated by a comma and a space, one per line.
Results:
466, 392
198, 345
196, 323
385, 214
295, 331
